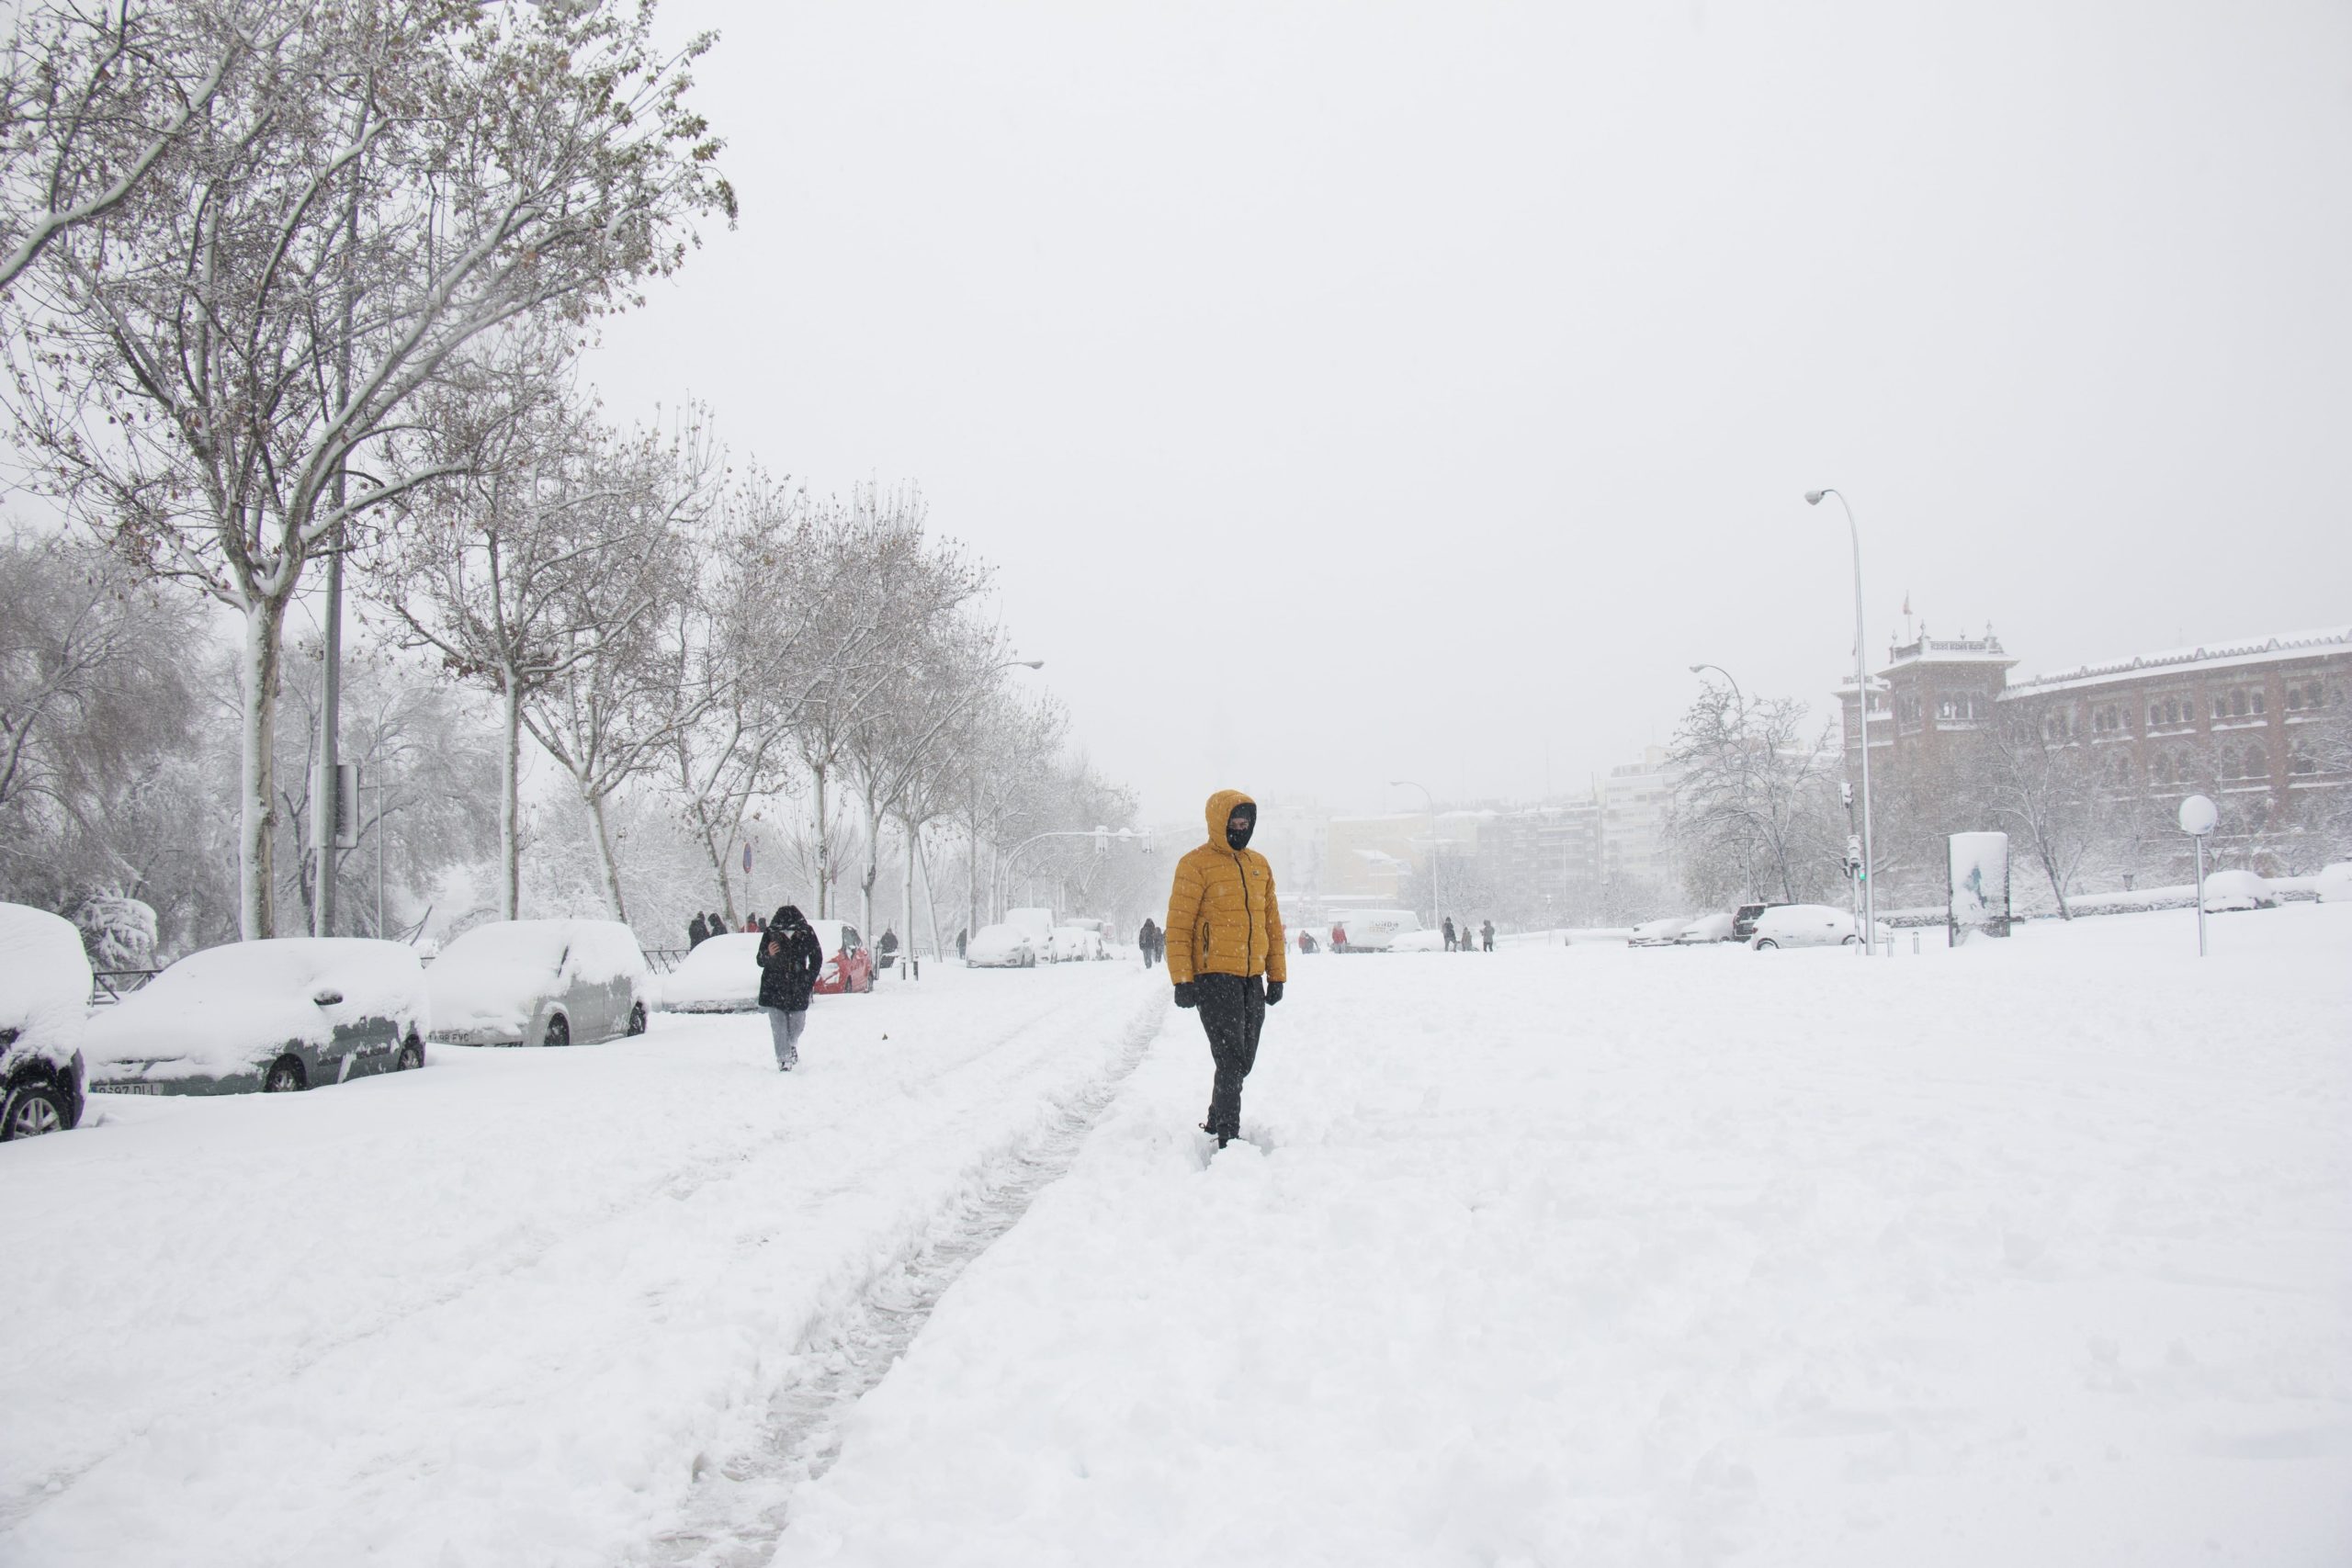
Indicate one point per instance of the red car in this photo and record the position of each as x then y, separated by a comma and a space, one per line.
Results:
849, 963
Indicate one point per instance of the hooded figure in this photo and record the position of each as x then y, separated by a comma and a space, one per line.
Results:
789, 957
1225, 948
697, 933
1148, 942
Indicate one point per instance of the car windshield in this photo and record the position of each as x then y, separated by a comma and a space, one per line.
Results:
509, 944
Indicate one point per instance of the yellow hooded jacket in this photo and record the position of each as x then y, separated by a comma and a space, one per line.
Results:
1222, 917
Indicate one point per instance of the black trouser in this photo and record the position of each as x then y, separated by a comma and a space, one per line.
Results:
1233, 1010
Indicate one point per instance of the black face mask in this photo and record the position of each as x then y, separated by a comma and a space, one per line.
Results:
1240, 837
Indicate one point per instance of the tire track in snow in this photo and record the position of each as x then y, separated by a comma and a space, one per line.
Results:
509, 1259
742, 1503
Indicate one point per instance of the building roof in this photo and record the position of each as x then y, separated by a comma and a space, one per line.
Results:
1986, 650
2186, 661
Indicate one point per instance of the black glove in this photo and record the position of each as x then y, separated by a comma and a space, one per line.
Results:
1185, 993
1273, 992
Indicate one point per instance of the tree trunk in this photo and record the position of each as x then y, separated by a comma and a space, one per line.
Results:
873, 868
510, 825
604, 852
257, 838
824, 851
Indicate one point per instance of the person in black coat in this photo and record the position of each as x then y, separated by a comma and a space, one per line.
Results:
697, 933
789, 956
1148, 939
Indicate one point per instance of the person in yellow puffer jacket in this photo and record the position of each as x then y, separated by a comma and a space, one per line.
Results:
1226, 954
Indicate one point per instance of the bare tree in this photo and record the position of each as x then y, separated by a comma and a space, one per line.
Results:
2044, 785
1755, 797
223, 371
92, 96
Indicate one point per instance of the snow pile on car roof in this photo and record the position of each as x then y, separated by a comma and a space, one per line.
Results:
223, 1009
44, 981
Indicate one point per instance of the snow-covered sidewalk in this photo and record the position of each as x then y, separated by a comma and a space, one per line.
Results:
2035, 1252
502, 1311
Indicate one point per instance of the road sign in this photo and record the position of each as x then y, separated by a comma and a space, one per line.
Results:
747, 857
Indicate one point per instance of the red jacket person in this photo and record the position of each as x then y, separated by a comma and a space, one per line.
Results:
1225, 948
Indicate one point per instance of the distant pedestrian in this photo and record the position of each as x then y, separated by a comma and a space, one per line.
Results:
1449, 933
1306, 942
1486, 934
751, 922
1147, 940
716, 925
1339, 937
789, 957
697, 933
887, 948
1225, 952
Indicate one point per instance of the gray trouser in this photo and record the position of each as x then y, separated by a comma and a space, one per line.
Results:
785, 1027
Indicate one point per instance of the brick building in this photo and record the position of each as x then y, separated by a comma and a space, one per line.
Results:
2261, 727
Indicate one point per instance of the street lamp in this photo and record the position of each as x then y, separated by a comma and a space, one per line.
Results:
1430, 801
1727, 675
1862, 708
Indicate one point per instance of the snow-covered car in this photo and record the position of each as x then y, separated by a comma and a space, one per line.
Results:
2335, 883
1704, 929
1001, 947
1657, 933
1416, 941
2226, 891
1808, 925
721, 975
1744, 919
540, 983
1076, 944
1376, 931
44, 1007
849, 963
286, 1013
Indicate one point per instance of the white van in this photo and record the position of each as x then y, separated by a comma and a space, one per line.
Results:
1376, 931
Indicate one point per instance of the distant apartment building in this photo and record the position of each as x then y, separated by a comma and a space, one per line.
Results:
1513, 862
2257, 725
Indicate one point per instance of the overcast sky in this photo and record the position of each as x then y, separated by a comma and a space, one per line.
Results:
1348, 393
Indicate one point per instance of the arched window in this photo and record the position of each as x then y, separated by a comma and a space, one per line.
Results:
2237, 703
2256, 764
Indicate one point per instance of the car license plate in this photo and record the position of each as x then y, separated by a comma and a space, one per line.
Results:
126, 1089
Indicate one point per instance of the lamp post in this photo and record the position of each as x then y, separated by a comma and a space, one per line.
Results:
2198, 818
1862, 708
1436, 912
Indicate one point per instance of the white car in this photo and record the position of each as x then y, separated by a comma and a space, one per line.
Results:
287, 1014
2230, 890
721, 975
1657, 933
1001, 947
1808, 925
1704, 929
44, 1008
1074, 945
540, 983
2335, 883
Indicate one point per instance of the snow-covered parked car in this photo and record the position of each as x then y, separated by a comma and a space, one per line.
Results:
722, 975
1001, 947
849, 963
287, 1014
1075, 944
2231, 890
1657, 933
1704, 929
540, 983
1809, 925
2335, 883
44, 1007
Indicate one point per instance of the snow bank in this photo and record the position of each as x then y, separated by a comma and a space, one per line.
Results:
2025, 1252
721, 975
224, 1010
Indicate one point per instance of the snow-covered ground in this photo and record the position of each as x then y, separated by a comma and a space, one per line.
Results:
2034, 1252
2038, 1251
501, 1311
